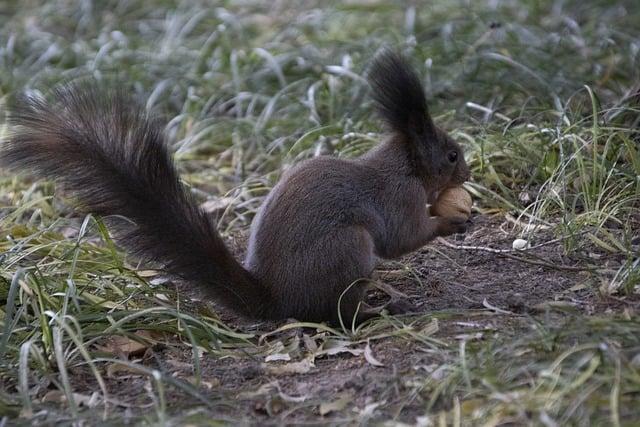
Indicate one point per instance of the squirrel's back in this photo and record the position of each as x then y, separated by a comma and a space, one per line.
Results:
312, 234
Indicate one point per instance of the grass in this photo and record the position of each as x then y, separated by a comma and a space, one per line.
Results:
542, 94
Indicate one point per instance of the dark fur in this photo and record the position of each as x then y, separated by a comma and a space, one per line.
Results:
320, 230
400, 101
113, 158
399, 95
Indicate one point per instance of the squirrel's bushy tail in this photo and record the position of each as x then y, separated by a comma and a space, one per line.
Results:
112, 156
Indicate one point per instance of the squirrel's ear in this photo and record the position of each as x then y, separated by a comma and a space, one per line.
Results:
399, 96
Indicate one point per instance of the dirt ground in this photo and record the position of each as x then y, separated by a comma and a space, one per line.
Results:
461, 288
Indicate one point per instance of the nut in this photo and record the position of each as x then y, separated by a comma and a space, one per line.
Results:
453, 202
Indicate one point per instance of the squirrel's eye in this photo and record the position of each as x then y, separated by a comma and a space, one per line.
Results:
452, 156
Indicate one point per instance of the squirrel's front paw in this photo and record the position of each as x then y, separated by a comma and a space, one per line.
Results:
448, 226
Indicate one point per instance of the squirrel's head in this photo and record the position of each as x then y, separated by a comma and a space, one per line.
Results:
441, 160
399, 96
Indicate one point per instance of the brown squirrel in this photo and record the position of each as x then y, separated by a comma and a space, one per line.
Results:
320, 229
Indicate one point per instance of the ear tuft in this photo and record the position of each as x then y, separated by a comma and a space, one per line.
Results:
399, 95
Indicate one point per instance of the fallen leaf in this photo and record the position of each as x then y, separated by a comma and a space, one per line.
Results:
25, 287
309, 343
96, 300
368, 355
277, 356
148, 273
288, 398
125, 346
469, 324
264, 389
367, 411
469, 337
440, 372
275, 405
577, 287
494, 308
179, 364
332, 347
119, 368
431, 328
161, 297
57, 396
337, 405
301, 367
160, 280
208, 384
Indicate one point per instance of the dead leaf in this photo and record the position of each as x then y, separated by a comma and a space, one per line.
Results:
125, 346
301, 367
577, 287
368, 355
309, 343
333, 347
148, 273
367, 411
494, 308
264, 389
469, 337
25, 287
277, 356
337, 405
160, 280
96, 300
179, 364
57, 396
267, 389
294, 399
120, 368
275, 405
430, 328
440, 372
161, 297
54, 396
208, 384
469, 324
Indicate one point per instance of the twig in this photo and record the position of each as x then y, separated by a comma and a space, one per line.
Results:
548, 264
497, 251
507, 253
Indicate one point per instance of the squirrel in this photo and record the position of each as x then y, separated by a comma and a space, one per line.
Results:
319, 232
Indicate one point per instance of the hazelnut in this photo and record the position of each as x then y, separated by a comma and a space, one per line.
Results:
453, 202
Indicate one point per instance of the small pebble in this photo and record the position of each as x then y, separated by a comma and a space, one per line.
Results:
520, 244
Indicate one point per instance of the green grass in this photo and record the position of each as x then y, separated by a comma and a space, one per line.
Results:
542, 94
